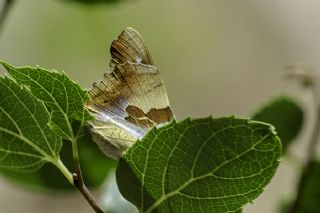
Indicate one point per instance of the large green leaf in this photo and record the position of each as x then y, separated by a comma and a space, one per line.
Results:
63, 97
203, 165
26, 142
285, 115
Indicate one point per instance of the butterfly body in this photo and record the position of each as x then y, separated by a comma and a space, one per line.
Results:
130, 99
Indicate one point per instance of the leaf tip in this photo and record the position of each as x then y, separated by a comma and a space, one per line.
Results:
5, 65
273, 130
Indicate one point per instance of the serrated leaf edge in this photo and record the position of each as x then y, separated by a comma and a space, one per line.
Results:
64, 75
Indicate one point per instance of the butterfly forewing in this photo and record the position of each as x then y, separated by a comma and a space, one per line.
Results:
129, 47
130, 99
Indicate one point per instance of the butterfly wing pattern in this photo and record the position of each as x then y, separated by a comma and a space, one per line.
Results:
131, 98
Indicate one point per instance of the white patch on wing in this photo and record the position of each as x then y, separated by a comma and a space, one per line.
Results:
134, 130
138, 60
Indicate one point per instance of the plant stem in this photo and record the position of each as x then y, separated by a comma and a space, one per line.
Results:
64, 171
4, 11
78, 180
311, 152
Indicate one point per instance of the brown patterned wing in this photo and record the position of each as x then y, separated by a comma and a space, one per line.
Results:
130, 99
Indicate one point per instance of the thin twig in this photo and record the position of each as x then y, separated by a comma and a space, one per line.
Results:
311, 152
78, 182
78, 179
4, 11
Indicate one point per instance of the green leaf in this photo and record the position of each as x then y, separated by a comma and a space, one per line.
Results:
63, 97
49, 178
201, 165
285, 115
26, 141
308, 200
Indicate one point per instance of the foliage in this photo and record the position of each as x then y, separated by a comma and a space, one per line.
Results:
48, 178
63, 98
196, 165
213, 164
286, 115
201, 165
26, 141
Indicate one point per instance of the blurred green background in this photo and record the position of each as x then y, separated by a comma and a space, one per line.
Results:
216, 57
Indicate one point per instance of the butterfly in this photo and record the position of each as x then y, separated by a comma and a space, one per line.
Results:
131, 98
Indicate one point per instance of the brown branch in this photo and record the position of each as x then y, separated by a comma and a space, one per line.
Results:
79, 183
4, 11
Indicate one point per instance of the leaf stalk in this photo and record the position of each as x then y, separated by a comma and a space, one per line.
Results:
64, 170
